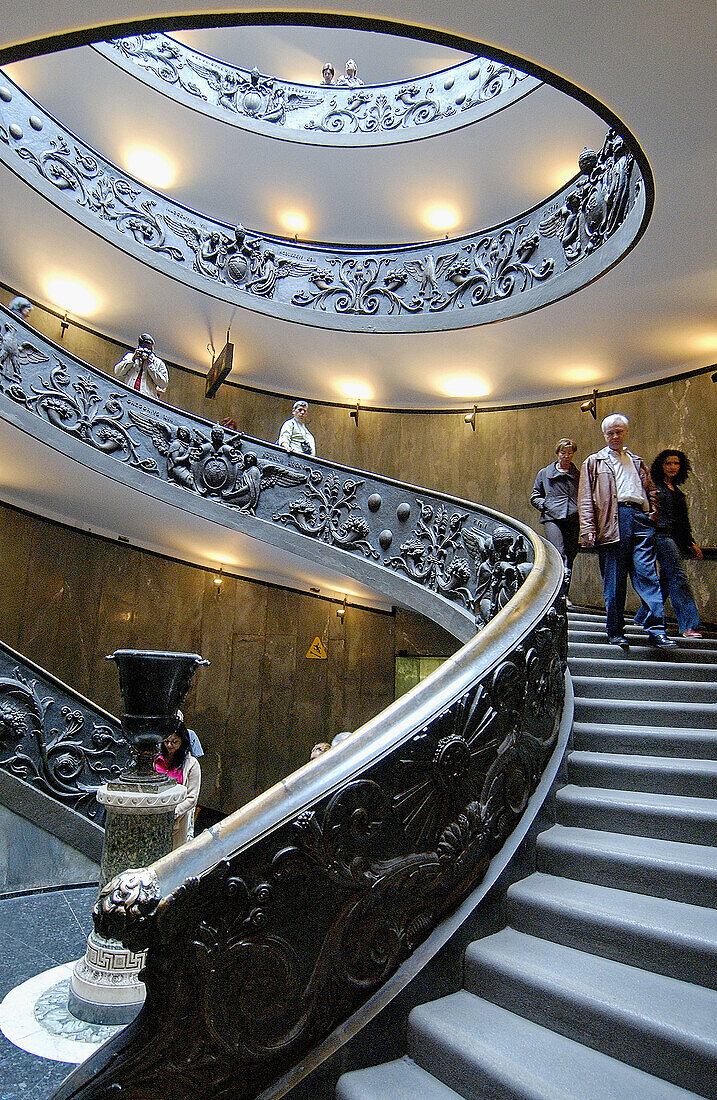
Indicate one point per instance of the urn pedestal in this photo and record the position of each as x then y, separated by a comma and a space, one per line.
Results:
140, 805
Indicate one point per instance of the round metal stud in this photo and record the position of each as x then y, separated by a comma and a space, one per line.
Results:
15, 130
448, 84
5, 95
385, 539
35, 122
403, 512
374, 502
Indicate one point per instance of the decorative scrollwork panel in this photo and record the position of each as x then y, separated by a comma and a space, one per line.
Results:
320, 114
377, 864
53, 739
455, 550
520, 265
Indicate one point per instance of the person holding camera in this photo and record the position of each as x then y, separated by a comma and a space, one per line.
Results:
142, 370
294, 436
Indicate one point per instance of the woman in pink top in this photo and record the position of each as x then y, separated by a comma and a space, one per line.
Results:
175, 760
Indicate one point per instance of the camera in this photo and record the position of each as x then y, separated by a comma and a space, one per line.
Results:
306, 446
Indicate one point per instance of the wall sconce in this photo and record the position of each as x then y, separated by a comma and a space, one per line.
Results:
341, 611
470, 418
590, 406
64, 325
354, 413
218, 578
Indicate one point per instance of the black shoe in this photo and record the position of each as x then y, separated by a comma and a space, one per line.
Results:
620, 641
661, 641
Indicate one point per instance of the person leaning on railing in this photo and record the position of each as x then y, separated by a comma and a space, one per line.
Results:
176, 761
294, 436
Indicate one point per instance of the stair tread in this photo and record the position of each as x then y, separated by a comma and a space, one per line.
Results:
504, 1056
652, 1018
684, 732
638, 761
673, 803
672, 852
596, 645
399, 1080
581, 666
659, 917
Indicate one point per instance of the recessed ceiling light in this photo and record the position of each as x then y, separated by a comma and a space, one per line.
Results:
355, 391
581, 374
71, 295
464, 385
440, 216
293, 221
150, 166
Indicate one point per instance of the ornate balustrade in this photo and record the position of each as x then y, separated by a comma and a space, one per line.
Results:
319, 114
53, 739
522, 264
403, 540
274, 927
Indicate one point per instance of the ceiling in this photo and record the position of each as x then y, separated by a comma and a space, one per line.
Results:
651, 316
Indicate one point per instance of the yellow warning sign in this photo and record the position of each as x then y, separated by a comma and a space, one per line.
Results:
316, 650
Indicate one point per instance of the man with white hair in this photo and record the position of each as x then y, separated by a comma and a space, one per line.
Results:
617, 504
294, 436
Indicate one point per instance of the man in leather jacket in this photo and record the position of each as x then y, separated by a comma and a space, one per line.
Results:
617, 504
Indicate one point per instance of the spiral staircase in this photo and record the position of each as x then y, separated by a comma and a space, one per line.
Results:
603, 981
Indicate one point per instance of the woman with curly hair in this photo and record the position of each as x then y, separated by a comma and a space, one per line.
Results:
675, 540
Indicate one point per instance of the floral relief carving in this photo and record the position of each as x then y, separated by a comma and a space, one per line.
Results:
49, 741
246, 97
377, 863
483, 276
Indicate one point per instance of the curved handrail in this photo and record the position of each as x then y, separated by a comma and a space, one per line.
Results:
381, 837
376, 114
526, 262
54, 739
405, 542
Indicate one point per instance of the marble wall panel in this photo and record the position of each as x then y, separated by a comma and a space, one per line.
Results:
15, 541
279, 737
115, 621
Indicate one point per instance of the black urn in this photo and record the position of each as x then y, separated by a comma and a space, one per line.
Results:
153, 685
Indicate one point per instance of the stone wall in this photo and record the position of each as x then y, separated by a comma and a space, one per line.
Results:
496, 464
68, 598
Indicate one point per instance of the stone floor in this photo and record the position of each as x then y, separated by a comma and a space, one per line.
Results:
38, 931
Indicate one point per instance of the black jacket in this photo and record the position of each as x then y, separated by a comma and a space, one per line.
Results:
555, 493
673, 519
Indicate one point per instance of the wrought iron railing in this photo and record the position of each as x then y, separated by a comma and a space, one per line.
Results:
320, 114
275, 926
54, 739
524, 263
406, 540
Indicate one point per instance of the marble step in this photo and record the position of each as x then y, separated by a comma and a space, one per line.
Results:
646, 740
643, 865
668, 937
658, 1024
660, 774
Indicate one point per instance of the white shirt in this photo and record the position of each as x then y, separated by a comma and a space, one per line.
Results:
627, 480
153, 380
293, 434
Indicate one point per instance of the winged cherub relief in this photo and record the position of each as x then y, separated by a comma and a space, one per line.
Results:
214, 467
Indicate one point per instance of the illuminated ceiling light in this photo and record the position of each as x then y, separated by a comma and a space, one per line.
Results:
150, 166
704, 342
293, 221
71, 295
440, 216
464, 385
355, 391
582, 374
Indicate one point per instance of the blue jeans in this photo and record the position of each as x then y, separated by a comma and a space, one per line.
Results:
674, 583
634, 556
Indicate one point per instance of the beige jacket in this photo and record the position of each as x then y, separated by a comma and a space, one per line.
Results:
184, 812
597, 497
